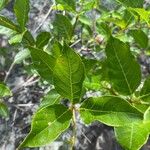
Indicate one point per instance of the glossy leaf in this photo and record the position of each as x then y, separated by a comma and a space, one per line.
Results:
42, 39
16, 39
28, 39
69, 74
3, 3
43, 63
52, 97
133, 136
8, 24
110, 110
147, 115
3, 110
62, 27
123, 70
7, 32
67, 4
145, 91
21, 9
4, 91
132, 3
104, 29
55, 49
143, 14
140, 37
47, 124
21, 55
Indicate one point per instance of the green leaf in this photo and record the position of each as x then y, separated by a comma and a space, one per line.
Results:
103, 28
92, 83
89, 5
21, 55
47, 124
42, 39
67, 4
110, 110
16, 39
123, 70
3, 3
147, 115
69, 74
85, 20
145, 91
21, 9
144, 14
7, 32
8, 24
4, 91
43, 63
140, 37
62, 27
3, 110
52, 97
133, 136
132, 3
55, 49
28, 39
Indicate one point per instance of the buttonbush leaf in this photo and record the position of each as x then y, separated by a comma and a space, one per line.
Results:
147, 115
133, 136
143, 14
21, 55
3, 3
123, 70
62, 27
4, 91
52, 97
67, 4
145, 91
69, 74
140, 37
3, 110
16, 39
47, 124
110, 110
7, 32
43, 63
28, 38
42, 39
132, 3
55, 49
8, 24
21, 9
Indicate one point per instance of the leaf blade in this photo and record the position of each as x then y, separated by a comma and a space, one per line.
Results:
8, 24
110, 110
46, 129
69, 74
133, 136
122, 67
21, 9
43, 63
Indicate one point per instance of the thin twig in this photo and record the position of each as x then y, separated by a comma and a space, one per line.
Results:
76, 42
46, 16
9, 71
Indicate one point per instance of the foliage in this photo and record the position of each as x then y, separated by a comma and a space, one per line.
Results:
119, 35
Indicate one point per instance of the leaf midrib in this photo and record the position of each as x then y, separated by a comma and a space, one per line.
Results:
123, 72
50, 124
101, 111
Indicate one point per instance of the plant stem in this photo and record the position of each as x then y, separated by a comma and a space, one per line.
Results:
74, 127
